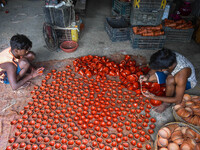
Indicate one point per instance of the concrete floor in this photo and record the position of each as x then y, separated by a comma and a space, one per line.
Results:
26, 17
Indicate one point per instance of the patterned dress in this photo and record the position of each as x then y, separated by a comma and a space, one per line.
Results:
182, 63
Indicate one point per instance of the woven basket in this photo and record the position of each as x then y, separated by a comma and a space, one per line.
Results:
179, 119
181, 124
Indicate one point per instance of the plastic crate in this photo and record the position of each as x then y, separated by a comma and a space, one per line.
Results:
178, 35
149, 5
146, 18
122, 8
147, 42
114, 13
117, 29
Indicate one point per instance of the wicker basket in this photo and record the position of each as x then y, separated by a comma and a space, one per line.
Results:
179, 119
181, 124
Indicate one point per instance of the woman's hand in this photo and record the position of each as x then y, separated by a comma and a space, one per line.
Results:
37, 72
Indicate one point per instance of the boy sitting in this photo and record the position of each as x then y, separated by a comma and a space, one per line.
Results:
175, 71
15, 62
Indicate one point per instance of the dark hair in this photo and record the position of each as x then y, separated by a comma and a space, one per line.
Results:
162, 59
20, 41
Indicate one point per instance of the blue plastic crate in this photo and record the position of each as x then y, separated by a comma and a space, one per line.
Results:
117, 29
147, 42
122, 8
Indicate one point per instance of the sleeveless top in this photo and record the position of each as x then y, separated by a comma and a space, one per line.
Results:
6, 56
182, 63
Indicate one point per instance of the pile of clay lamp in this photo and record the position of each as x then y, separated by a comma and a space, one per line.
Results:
127, 70
189, 109
75, 112
178, 136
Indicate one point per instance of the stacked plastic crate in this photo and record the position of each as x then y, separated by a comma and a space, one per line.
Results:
118, 27
147, 13
121, 8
